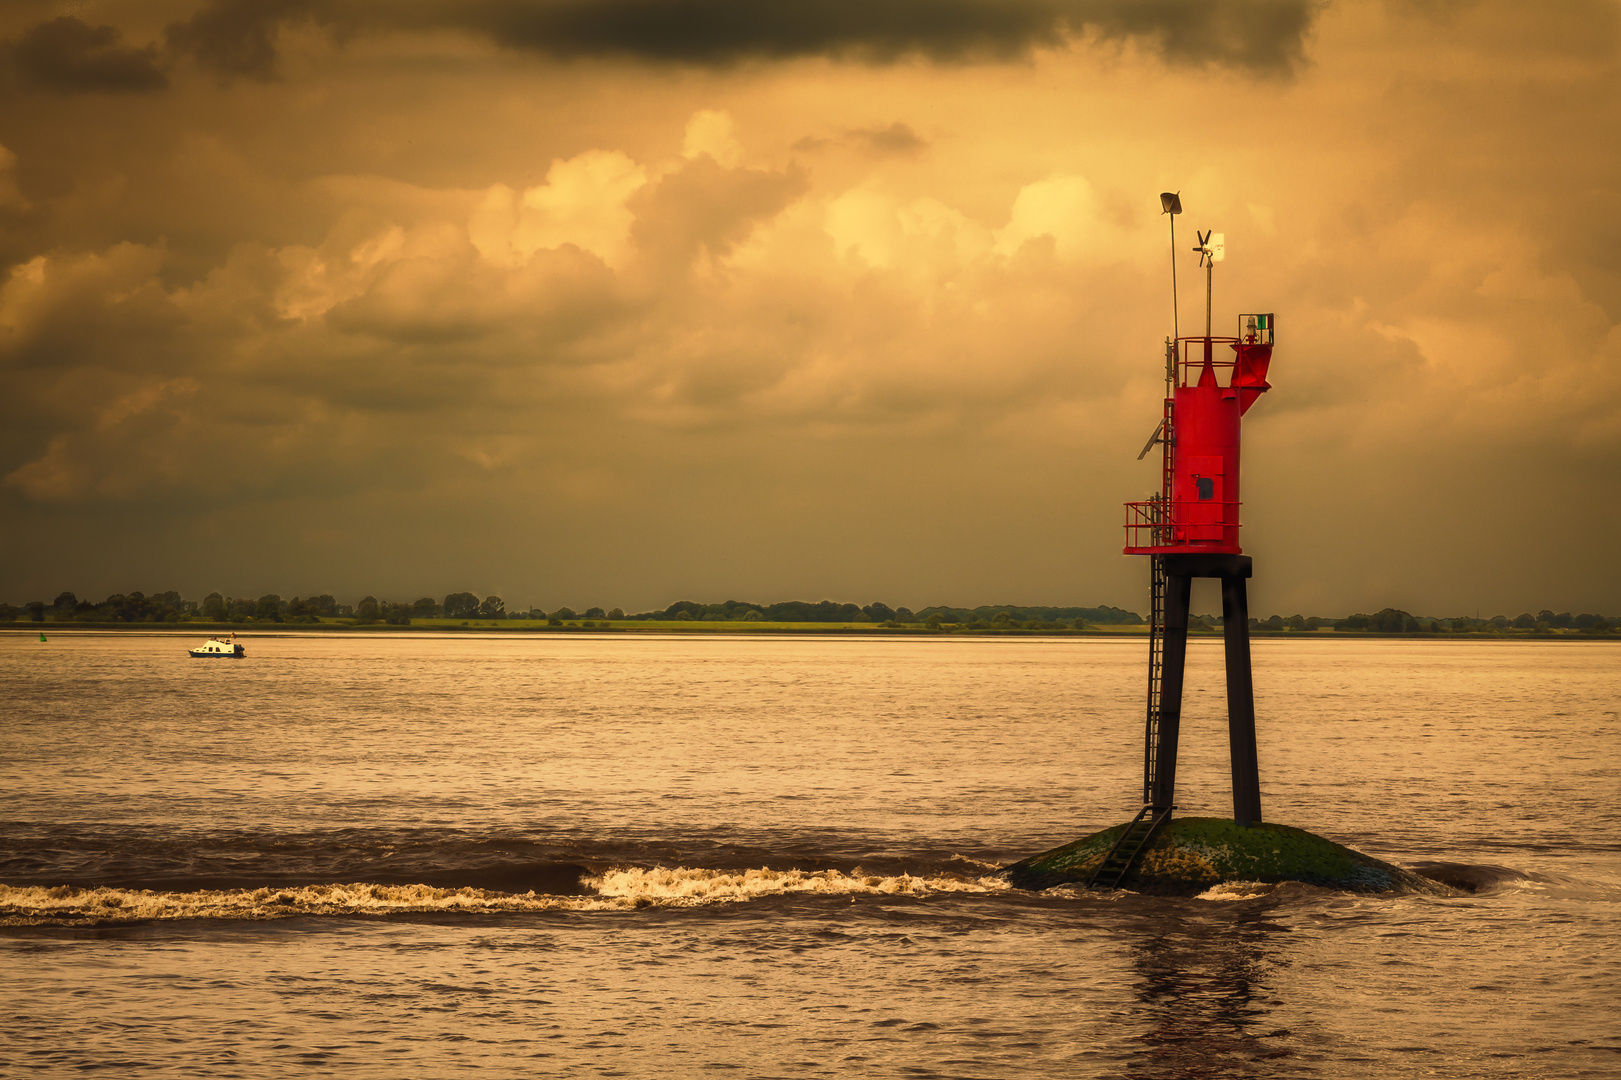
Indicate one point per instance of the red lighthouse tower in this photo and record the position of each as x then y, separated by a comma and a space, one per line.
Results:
1189, 529
1196, 509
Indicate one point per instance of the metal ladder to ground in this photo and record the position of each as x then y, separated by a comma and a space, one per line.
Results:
1156, 662
1156, 592
1122, 855
1127, 846
1140, 833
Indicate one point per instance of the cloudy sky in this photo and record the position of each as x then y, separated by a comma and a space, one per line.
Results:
625, 301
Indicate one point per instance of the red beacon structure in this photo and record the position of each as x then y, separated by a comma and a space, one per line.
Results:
1189, 528
1196, 509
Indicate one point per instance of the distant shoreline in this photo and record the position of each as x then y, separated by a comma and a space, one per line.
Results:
639, 626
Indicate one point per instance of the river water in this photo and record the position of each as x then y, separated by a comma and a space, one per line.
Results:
607, 855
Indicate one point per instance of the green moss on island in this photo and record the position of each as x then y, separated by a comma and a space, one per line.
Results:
1189, 855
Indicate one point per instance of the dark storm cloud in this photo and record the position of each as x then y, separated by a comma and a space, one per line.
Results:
1260, 35
235, 37
69, 56
725, 31
238, 37
1263, 36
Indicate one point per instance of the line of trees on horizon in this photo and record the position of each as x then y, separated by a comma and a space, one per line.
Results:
1396, 621
171, 607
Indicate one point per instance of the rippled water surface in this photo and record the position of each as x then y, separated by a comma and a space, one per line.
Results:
604, 855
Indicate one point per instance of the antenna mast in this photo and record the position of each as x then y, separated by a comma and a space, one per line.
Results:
1171, 203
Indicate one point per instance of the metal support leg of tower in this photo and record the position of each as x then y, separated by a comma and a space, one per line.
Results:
1235, 621
1173, 585
1178, 591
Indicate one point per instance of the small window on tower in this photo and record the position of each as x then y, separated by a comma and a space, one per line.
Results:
1207, 487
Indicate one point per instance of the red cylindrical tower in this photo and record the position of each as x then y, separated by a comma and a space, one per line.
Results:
1204, 464
1198, 508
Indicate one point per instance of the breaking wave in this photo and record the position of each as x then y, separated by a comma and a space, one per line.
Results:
685, 887
67, 905
620, 889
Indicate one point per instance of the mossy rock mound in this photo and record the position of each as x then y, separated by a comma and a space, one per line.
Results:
1191, 854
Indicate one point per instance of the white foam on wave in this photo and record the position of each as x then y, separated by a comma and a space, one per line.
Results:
1237, 890
618, 890
66, 905
682, 886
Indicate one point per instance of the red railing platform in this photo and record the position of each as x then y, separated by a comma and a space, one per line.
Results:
1151, 530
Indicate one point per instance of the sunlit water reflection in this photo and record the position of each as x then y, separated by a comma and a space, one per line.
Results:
391, 855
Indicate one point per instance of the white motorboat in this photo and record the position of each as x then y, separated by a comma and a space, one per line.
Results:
220, 647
